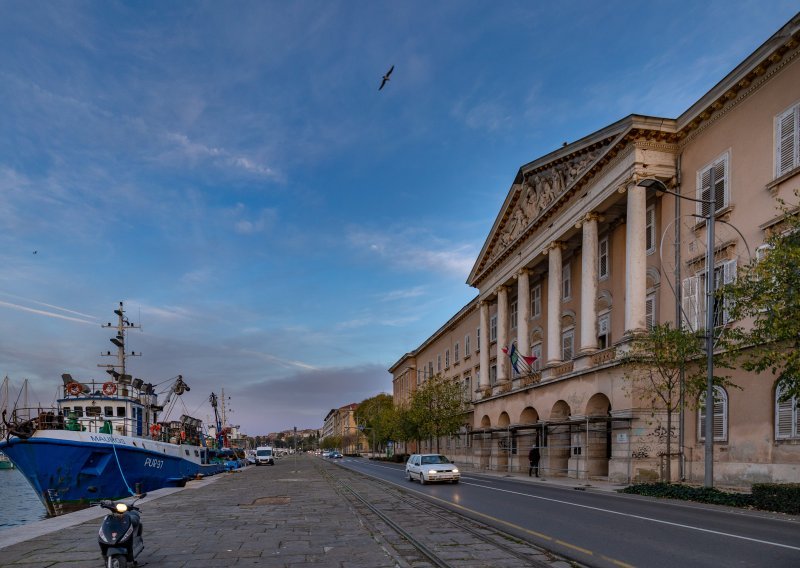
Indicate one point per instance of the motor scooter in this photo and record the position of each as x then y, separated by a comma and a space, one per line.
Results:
120, 535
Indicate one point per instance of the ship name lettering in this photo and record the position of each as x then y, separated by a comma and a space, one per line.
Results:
152, 462
108, 439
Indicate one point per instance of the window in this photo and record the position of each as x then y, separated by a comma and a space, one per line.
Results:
602, 258
720, 416
536, 351
493, 328
120, 412
604, 331
715, 173
536, 301
650, 311
439, 363
430, 368
447, 359
514, 314
566, 282
787, 141
456, 354
493, 375
694, 296
567, 343
478, 339
108, 411
466, 347
93, 411
650, 229
787, 417
467, 389
78, 410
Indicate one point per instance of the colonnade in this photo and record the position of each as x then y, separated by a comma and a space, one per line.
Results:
635, 293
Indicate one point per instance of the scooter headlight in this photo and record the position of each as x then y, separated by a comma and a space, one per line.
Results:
121, 507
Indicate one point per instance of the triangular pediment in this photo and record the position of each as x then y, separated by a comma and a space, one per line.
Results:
538, 189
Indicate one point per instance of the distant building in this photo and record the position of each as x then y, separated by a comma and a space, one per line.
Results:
341, 423
573, 266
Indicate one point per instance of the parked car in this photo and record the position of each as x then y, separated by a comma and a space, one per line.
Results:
431, 467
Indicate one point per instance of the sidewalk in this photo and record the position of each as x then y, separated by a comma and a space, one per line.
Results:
558, 481
286, 515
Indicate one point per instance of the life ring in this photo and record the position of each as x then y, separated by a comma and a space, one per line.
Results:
109, 388
74, 389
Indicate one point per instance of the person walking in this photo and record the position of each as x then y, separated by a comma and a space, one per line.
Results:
533, 460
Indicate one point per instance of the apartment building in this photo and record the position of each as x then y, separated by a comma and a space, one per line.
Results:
582, 255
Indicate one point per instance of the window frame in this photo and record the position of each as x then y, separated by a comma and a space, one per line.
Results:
601, 255
605, 315
467, 348
536, 351
566, 282
514, 313
650, 229
701, 415
568, 333
723, 159
782, 408
493, 329
650, 306
536, 300
794, 112
456, 353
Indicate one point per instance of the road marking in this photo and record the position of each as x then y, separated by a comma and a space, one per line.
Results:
652, 520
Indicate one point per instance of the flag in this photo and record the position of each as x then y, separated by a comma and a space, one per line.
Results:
529, 360
514, 356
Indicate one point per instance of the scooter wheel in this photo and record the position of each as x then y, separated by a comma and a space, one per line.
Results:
117, 561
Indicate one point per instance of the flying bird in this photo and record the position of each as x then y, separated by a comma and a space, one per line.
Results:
385, 78
36, 251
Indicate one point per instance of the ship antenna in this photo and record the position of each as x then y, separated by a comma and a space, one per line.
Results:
119, 371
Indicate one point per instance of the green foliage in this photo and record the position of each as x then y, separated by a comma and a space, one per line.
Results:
376, 415
688, 493
766, 301
330, 442
436, 409
782, 498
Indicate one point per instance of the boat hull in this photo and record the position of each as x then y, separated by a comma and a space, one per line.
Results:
70, 470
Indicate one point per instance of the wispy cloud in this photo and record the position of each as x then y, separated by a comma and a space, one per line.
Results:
196, 151
405, 294
44, 313
413, 250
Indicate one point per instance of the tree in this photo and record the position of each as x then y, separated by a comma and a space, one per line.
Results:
655, 364
437, 408
375, 415
765, 299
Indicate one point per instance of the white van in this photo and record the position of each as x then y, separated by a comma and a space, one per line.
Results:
264, 455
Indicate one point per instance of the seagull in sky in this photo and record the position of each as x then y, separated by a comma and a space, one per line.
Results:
385, 78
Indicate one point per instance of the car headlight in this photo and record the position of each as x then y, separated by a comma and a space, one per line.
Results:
455, 470
432, 472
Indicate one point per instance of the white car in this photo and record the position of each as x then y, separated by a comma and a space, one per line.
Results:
431, 467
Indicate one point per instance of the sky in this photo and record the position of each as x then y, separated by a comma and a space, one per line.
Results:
278, 226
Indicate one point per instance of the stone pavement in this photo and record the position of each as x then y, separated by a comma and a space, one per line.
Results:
286, 515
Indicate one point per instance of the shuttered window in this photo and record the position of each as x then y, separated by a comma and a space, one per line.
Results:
650, 229
787, 417
514, 314
604, 331
602, 258
456, 353
536, 301
566, 282
720, 416
693, 297
567, 345
536, 351
787, 141
650, 311
467, 350
493, 328
716, 173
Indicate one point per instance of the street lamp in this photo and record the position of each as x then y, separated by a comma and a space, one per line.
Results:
710, 218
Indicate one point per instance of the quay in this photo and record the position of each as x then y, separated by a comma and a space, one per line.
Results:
287, 515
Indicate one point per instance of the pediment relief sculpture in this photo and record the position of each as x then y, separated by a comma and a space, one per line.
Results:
539, 190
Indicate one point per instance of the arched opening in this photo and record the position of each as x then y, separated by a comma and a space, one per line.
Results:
504, 442
598, 438
557, 440
485, 450
529, 438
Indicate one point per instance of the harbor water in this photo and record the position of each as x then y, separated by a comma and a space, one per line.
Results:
18, 502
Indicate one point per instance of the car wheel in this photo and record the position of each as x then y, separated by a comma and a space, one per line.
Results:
422, 479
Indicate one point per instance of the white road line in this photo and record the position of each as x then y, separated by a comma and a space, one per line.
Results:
652, 520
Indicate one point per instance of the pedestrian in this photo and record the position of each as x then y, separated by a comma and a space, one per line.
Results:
533, 459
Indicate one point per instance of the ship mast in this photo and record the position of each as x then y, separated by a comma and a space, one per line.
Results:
118, 370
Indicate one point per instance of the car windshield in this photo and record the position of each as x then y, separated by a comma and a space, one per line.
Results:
434, 459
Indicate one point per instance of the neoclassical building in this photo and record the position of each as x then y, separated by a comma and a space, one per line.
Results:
582, 255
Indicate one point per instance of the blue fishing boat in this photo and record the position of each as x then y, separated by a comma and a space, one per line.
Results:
105, 440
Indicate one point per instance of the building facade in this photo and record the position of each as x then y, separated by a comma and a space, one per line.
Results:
341, 423
581, 257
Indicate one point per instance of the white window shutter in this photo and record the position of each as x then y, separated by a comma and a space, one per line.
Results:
784, 418
705, 192
720, 183
690, 299
786, 141
650, 312
728, 276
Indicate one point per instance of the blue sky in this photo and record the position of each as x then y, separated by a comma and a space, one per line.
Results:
278, 226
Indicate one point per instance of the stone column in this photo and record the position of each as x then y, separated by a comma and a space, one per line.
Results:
589, 284
484, 358
635, 260
523, 311
554, 303
502, 334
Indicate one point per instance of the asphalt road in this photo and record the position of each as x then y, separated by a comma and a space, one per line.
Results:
609, 529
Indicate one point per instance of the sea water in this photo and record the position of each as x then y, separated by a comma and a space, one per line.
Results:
19, 504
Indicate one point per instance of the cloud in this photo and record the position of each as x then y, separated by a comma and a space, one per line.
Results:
196, 151
407, 293
45, 313
415, 250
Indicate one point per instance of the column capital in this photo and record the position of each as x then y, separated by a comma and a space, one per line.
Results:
522, 271
554, 245
591, 216
501, 288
